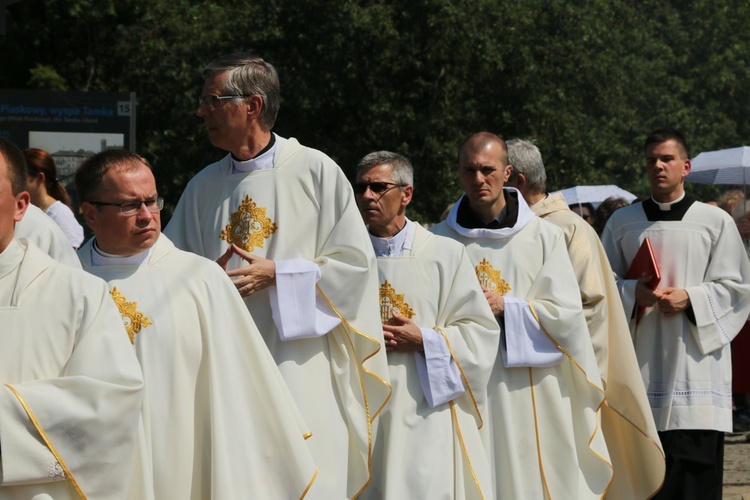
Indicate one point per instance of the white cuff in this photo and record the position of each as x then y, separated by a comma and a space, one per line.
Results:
295, 283
438, 374
526, 344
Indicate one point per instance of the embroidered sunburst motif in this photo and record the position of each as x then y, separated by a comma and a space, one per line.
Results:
249, 227
490, 278
134, 320
391, 302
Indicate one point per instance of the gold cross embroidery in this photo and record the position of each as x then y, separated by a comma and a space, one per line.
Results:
490, 278
249, 227
391, 302
133, 319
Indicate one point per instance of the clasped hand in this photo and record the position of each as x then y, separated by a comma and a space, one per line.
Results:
260, 273
404, 336
669, 300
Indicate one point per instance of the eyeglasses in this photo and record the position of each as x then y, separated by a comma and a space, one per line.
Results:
153, 205
376, 187
214, 100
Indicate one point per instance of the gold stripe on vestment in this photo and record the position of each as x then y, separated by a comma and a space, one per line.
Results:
361, 368
309, 485
463, 376
47, 441
464, 451
536, 432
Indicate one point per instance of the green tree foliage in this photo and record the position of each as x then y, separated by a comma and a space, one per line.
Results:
586, 81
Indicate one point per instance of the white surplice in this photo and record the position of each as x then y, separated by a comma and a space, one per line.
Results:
219, 420
543, 428
627, 423
686, 367
303, 208
71, 388
421, 451
40, 229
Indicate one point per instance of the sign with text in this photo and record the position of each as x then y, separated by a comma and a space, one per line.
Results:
71, 126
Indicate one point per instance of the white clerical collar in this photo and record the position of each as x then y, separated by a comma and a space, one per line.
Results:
666, 207
396, 245
525, 215
102, 258
265, 161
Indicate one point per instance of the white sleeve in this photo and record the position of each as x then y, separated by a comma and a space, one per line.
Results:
295, 282
526, 343
438, 374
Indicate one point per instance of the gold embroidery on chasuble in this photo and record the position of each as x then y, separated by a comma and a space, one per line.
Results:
490, 278
133, 319
391, 302
249, 227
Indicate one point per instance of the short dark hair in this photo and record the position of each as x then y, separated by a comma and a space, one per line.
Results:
16, 165
90, 174
667, 134
249, 74
481, 140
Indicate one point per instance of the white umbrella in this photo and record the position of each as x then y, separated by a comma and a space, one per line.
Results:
594, 194
725, 166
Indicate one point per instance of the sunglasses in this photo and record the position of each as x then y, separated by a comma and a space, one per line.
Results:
375, 187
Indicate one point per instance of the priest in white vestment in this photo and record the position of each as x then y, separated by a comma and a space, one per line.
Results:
701, 303
442, 341
42, 231
543, 430
627, 423
283, 220
218, 418
71, 385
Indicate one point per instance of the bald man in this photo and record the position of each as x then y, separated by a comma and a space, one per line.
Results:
545, 392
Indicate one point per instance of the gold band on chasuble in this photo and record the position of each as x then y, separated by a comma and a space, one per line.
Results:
490, 278
249, 226
391, 302
133, 319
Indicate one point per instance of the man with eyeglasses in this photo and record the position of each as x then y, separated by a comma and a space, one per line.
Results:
282, 219
545, 393
70, 386
442, 341
627, 423
217, 417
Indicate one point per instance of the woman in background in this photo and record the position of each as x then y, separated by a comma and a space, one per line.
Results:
50, 195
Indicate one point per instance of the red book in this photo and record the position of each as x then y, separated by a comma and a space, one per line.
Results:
644, 264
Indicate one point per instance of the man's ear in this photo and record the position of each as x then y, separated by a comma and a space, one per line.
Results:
254, 106
23, 199
687, 168
90, 214
406, 193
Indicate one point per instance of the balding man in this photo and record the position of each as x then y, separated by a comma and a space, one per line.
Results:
628, 425
545, 392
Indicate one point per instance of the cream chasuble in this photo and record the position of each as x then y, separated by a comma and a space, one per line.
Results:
627, 423
219, 421
543, 426
303, 208
686, 366
71, 385
42, 231
424, 452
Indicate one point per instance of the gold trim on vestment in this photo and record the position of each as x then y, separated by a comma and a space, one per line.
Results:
536, 432
600, 389
464, 451
249, 226
463, 376
133, 319
309, 485
307, 435
361, 368
47, 441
